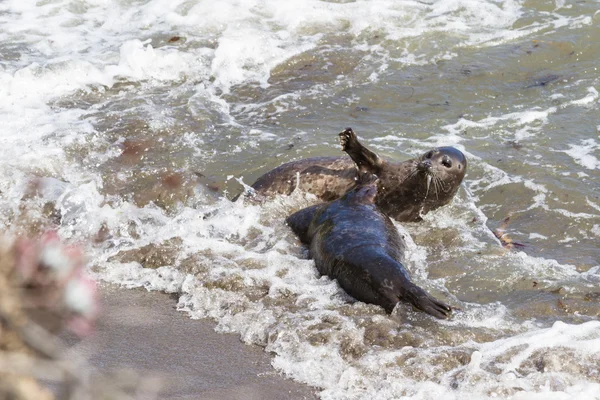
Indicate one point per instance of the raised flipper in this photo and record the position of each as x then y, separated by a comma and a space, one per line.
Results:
300, 221
365, 159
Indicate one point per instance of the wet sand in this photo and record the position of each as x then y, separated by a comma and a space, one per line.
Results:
142, 330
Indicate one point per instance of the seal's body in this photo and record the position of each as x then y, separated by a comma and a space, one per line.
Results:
326, 177
407, 190
355, 243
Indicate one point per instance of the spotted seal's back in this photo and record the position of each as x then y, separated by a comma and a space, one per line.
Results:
407, 190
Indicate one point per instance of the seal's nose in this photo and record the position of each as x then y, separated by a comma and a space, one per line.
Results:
425, 165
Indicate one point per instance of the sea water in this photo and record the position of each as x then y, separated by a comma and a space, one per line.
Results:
128, 126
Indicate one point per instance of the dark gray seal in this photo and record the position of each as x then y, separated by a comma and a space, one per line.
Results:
352, 241
407, 190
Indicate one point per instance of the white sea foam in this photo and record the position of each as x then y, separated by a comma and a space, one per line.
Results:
287, 332
242, 32
590, 99
535, 236
583, 153
528, 123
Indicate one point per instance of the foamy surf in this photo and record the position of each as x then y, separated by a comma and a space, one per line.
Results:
263, 289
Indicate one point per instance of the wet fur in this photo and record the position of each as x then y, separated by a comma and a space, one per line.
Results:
404, 192
355, 243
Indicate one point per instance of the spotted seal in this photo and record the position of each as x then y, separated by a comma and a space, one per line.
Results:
407, 190
352, 241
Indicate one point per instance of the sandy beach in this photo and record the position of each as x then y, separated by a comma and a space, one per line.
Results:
142, 331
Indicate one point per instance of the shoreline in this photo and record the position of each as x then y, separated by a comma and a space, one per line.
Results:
142, 331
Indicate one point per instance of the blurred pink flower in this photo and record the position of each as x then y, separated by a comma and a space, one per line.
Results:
57, 276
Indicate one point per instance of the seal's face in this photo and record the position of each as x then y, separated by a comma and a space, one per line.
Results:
443, 169
363, 193
367, 193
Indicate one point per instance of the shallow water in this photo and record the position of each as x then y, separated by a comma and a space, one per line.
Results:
127, 126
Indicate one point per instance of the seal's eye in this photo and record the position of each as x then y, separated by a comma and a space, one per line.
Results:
446, 162
429, 154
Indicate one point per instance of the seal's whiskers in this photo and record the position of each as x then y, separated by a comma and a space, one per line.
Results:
428, 183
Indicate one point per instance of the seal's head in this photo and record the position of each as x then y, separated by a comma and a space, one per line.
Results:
365, 190
443, 168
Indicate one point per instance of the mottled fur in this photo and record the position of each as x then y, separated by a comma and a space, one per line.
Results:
407, 190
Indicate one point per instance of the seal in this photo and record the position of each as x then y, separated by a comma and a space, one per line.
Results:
407, 190
352, 241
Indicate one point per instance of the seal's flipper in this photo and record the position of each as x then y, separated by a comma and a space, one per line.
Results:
421, 300
300, 221
365, 159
